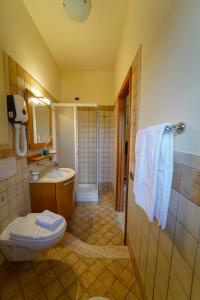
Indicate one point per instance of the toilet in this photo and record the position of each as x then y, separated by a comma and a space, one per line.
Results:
23, 239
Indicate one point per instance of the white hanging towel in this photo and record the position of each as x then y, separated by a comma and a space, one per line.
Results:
48, 219
153, 171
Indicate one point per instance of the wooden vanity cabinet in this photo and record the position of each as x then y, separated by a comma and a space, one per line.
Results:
56, 197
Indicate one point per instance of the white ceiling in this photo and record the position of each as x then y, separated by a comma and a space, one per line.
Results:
89, 45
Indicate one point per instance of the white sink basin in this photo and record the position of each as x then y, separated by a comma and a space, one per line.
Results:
57, 175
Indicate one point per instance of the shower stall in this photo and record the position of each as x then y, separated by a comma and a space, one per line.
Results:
75, 137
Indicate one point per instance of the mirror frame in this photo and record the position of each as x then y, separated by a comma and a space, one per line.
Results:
31, 144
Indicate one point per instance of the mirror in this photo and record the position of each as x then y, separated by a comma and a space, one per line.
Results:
39, 125
41, 128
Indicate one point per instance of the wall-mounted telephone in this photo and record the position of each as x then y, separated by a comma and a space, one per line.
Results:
18, 116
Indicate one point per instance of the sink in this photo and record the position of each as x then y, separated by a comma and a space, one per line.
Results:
57, 175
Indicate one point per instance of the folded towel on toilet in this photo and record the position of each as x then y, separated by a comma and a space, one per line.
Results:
48, 219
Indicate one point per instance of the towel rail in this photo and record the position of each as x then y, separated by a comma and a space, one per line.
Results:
176, 128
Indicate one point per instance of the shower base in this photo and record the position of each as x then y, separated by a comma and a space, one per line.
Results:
87, 192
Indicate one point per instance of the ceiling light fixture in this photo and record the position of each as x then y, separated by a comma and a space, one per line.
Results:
77, 10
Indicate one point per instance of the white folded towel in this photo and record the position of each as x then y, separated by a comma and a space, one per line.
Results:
153, 171
48, 219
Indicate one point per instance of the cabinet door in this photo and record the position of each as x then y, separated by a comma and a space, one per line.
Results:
43, 196
65, 198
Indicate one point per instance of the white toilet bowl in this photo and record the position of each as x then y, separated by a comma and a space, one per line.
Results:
23, 239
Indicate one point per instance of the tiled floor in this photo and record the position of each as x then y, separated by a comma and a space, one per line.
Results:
97, 224
59, 273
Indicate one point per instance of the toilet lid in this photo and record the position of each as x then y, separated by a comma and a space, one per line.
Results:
28, 229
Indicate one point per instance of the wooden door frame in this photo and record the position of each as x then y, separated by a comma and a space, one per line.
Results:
124, 91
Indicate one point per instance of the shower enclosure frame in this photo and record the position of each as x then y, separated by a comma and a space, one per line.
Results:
93, 197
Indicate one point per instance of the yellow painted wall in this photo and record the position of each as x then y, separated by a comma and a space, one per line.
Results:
22, 41
170, 85
90, 86
4, 140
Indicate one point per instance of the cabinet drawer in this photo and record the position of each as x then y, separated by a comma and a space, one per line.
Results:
65, 184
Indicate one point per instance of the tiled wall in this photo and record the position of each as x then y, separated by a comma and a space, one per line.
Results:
87, 145
168, 261
114, 168
14, 192
17, 80
105, 124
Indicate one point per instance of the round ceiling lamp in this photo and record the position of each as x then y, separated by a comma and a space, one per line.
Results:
77, 10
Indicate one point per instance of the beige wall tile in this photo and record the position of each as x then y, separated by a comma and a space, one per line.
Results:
175, 288
2, 186
187, 159
189, 215
197, 262
173, 204
190, 184
154, 228
3, 199
180, 267
149, 283
166, 245
161, 277
4, 212
195, 288
185, 244
176, 177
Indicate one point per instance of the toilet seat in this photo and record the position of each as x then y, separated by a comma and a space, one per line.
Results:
24, 232
27, 229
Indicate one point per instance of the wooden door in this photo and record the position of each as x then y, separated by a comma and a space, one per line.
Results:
65, 198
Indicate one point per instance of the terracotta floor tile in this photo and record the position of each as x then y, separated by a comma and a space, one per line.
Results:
18, 296
90, 223
10, 289
41, 296
97, 289
79, 268
63, 296
127, 278
118, 290
131, 296
47, 277
41, 266
76, 290
53, 290
27, 278
107, 278
135, 290
67, 279
59, 273
60, 267
110, 296
87, 278
85, 296
71, 259
89, 261
32, 290
106, 261
115, 268
97, 268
